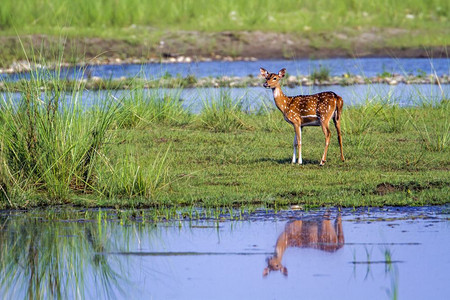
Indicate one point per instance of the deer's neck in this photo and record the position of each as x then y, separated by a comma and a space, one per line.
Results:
281, 100
282, 244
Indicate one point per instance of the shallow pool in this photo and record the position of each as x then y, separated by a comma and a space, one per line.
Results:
368, 253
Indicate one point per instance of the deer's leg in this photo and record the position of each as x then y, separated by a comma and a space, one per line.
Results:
298, 133
337, 124
326, 130
339, 230
294, 157
300, 147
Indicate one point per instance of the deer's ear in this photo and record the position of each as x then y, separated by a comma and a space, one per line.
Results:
264, 72
284, 271
265, 272
282, 72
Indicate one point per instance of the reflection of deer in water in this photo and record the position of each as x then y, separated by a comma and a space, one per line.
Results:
316, 233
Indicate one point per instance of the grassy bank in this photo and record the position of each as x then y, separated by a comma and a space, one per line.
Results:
146, 150
143, 29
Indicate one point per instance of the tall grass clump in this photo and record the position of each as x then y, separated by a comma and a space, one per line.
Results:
271, 119
142, 107
394, 118
321, 74
358, 121
222, 113
49, 143
434, 130
132, 177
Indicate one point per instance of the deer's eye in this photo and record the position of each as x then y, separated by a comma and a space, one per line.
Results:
274, 79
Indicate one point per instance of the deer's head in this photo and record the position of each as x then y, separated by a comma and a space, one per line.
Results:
274, 264
272, 79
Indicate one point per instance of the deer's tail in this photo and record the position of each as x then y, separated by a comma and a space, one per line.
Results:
339, 106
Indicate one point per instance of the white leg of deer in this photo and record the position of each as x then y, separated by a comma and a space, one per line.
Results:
300, 148
294, 157
326, 131
298, 134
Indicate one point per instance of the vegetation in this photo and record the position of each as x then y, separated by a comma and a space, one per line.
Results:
145, 149
321, 74
55, 258
409, 23
280, 16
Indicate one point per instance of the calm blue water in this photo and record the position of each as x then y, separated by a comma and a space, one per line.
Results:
384, 253
338, 66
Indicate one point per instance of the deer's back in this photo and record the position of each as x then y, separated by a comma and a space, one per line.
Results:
310, 104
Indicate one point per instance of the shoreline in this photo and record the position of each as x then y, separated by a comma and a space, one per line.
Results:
124, 83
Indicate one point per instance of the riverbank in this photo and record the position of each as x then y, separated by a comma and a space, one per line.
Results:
194, 46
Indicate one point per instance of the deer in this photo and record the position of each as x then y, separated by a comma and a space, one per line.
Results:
316, 233
306, 110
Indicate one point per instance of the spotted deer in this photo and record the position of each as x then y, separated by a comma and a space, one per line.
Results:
306, 110
318, 233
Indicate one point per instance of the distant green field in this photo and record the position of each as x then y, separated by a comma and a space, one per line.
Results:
139, 25
265, 15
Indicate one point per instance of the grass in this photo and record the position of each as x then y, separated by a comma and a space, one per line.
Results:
413, 23
321, 74
226, 164
142, 107
49, 143
223, 113
144, 149
251, 166
281, 16
435, 136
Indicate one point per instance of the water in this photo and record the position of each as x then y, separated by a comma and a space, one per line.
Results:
367, 67
388, 253
253, 97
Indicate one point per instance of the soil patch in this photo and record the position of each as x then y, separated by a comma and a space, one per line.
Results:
386, 187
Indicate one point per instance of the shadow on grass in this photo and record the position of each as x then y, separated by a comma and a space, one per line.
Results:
286, 161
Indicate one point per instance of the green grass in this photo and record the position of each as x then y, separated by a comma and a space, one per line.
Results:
279, 16
223, 113
321, 74
253, 166
142, 107
409, 23
144, 149
223, 156
49, 144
